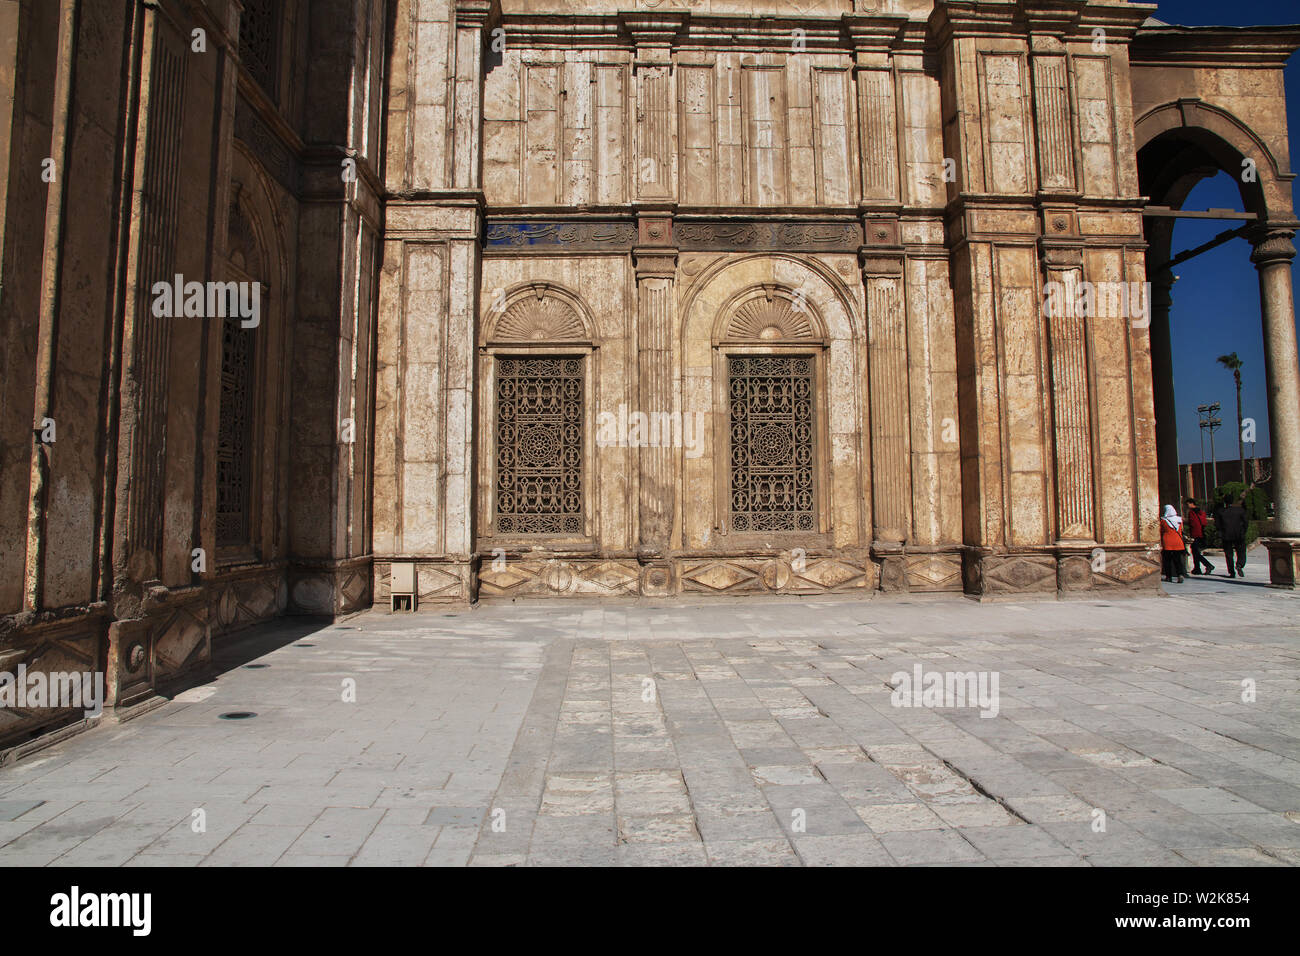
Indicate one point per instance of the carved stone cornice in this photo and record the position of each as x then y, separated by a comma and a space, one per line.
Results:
1055, 17
1269, 46
477, 13
653, 32
874, 32
1067, 19
952, 19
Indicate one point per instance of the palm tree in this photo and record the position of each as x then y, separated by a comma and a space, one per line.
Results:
1230, 361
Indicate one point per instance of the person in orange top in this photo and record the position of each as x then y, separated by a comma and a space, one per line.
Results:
1171, 541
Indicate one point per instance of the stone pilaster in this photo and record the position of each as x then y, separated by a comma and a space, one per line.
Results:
887, 375
656, 269
473, 17
1068, 348
653, 33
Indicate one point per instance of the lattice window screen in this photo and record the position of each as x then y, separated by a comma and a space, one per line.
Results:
771, 410
235, 436
539, 445
259, 33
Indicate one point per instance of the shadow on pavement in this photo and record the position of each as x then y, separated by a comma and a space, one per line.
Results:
245, 647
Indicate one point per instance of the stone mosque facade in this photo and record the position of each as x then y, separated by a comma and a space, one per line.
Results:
612, 299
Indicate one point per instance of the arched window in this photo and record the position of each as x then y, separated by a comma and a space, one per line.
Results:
767, 357
236, 419
259, 42
539, 359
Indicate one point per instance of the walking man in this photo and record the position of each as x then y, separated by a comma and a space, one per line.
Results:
1195, 524
1231, 521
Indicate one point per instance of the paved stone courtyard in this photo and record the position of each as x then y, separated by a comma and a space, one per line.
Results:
727, 733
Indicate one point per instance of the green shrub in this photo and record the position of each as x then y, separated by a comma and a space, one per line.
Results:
1256, 501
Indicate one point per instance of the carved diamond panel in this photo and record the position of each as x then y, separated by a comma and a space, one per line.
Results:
558, 577
1020, 573
1126, 569
933, 572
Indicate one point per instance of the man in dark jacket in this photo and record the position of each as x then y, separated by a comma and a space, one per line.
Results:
1195, 522
1231, 521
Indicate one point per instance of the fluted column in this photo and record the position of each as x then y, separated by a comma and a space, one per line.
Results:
1272, 257
891, 473
1072, 435
656, 269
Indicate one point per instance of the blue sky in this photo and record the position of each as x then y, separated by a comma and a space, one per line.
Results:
1216, 298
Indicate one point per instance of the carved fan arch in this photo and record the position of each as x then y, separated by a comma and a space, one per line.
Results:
541, 313
772, 315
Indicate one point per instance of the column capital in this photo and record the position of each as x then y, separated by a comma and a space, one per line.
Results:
477, 13
655, 262
653, 34
1061, 256
1272, 244
881, 263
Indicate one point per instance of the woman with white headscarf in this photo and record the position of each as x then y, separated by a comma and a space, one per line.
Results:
1172, 543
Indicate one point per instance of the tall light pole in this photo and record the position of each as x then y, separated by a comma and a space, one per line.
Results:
1205, 478
1210, 422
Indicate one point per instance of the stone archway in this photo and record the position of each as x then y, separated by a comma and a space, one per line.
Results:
1178, 144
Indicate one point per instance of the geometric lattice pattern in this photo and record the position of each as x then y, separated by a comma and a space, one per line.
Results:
539, 445
771, 406
258, 35
235, 435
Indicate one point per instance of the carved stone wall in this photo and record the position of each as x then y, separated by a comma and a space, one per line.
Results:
886, 194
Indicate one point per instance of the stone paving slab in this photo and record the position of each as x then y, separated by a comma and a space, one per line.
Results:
746, 733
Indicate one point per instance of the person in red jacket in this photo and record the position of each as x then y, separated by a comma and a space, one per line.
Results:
1195, 523
1171, 542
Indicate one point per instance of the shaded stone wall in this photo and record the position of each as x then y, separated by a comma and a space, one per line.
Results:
885, 192
169, 158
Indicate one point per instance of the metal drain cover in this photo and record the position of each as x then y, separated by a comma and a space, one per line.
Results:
237, 715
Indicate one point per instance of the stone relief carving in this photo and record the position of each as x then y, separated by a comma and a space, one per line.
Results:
539, 317
520, 236
769, 236
770, 319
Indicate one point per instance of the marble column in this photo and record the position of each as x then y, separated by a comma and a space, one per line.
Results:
1272, 257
